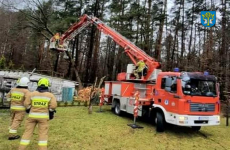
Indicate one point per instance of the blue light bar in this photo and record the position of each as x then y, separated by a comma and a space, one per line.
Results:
206, 73
176, 69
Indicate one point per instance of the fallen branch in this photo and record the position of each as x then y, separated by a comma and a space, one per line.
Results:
92, 95
101, 81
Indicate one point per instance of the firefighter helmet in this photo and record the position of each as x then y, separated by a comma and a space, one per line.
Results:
44, 82
23, 82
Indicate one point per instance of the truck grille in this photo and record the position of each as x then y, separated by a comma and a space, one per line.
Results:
199, 107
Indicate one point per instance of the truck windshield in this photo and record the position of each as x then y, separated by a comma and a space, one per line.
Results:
197, 87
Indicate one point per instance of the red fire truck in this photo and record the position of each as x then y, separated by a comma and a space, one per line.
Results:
179, 98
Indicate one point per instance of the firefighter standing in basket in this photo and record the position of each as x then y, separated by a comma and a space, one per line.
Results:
40, 105
140, 66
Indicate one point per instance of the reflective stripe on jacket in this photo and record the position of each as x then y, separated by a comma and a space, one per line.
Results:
16, 107
17, 97
39, 115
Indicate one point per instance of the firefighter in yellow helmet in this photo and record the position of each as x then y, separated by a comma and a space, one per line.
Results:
16, 96
41, 105
139, 68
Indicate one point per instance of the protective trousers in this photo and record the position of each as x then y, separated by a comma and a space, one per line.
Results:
137, 72
29, 129
16, 119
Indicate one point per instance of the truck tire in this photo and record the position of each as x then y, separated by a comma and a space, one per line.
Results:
196, 128
112, 109
153, 118
117, 109
160, 123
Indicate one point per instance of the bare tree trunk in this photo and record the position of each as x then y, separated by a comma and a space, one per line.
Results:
97, 41
77, 51
182, 35
191, 35
169, 41
111, 60
194, 44
70, 64
160, 33
89, 55
106, 55
228, 98
175, 37
56, 62
137, 37
223, 46
81, 62
75, 70
113, 67
147, 41
91, 46
76, 56
95, 55
82, 57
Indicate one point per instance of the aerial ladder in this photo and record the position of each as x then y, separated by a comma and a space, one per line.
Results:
60, 43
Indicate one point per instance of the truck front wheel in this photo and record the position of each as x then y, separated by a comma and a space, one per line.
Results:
159, 120
117, 109
196, 128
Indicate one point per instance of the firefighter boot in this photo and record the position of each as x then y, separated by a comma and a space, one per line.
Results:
14, 137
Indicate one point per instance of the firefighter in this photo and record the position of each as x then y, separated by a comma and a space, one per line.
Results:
139, 68
16, 96
40, 105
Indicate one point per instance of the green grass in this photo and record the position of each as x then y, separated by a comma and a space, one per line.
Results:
74, 129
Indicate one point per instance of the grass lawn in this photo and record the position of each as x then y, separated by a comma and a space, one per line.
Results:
74, 129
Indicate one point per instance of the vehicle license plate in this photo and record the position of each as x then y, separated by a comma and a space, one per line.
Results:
203, 118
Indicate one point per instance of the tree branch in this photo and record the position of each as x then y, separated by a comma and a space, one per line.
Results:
45, 36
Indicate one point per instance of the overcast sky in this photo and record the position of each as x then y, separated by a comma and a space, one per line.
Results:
170, 3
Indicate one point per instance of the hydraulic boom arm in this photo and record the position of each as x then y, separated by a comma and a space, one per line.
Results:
134, 52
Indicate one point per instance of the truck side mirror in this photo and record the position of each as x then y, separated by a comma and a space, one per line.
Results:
168, 82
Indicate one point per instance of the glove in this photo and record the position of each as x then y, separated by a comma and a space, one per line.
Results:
28, 109
51, 114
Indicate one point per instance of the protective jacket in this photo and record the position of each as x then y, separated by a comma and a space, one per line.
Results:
40, 104
140, 65
17, 97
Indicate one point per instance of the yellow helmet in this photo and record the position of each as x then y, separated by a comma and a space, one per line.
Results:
44, 81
